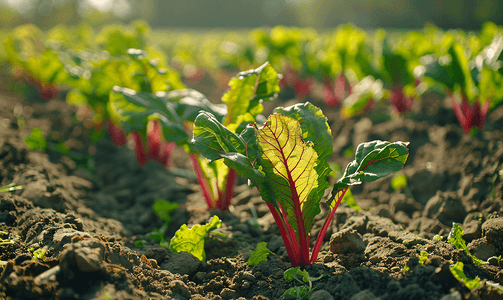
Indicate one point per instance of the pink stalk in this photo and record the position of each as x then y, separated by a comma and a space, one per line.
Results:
400, 101
225, 201
286, 237
165, 157
340, 87
201, 179
116, 133
139, 149
154, 139
469, 115
288, 77
334, 93
291, 233
328, 95
302, 87
323, 231
303, 244
46, 90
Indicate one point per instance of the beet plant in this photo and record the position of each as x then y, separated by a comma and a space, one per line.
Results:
286, 159
175, 112
346, 59
474, 87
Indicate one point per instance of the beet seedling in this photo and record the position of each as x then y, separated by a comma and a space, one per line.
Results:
192, 240
286, 158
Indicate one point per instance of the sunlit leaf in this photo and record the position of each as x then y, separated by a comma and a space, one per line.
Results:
459, 274
192, 240
456, 237
373, 160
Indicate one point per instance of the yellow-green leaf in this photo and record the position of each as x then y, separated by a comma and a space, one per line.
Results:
289, 164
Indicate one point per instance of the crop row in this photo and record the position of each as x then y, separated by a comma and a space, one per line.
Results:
356, 69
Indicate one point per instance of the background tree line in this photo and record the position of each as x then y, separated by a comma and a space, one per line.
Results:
411, 14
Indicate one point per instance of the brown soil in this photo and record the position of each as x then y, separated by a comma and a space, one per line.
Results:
87, 208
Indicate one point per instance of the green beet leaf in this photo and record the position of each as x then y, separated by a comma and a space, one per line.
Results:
259, 254
373, 160
451, 70
135, 109
213, 138
191, 102
172, 109
395, 69
247, 90
192, 240
301, 276
215, 141
363, 94
286, 158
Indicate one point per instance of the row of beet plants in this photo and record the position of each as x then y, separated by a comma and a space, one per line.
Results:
356, 69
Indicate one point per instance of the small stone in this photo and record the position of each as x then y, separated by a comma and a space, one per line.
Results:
246, 285
85, 256
472, 230
182, 263
347, 241
492, 229
200, 276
